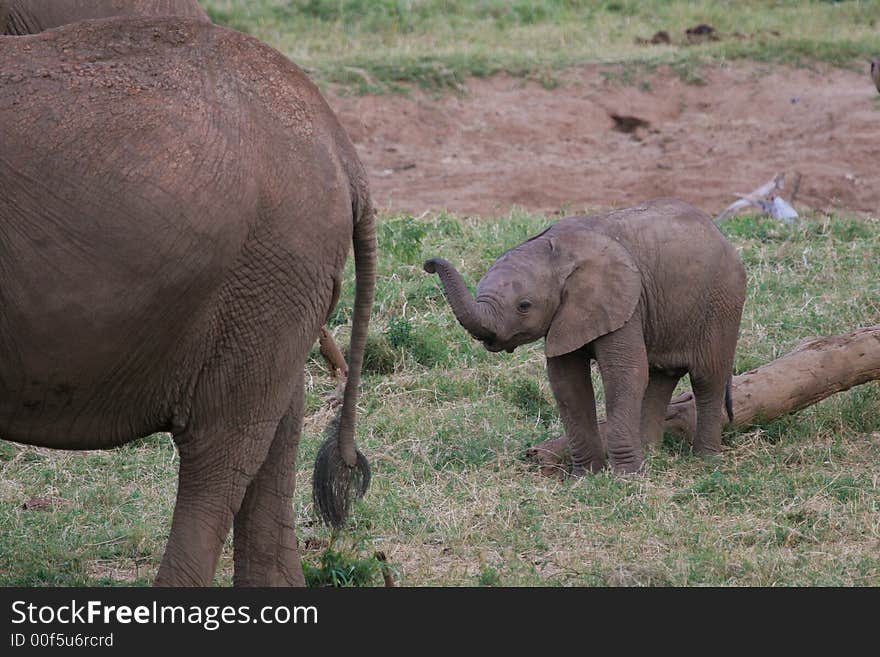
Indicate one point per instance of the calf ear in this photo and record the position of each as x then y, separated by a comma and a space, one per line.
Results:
599, 295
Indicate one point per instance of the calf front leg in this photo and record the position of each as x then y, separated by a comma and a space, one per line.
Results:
569, 376
661, 385
623, 363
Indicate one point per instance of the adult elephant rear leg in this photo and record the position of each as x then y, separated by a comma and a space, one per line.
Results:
236, 410
657, 395
217, 463
266, 552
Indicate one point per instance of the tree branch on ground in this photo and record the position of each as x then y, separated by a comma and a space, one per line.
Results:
332, 355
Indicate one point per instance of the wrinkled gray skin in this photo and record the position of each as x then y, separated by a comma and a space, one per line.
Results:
33, 16
177, 205
649, 293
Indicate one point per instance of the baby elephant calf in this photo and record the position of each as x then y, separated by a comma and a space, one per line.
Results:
649, 292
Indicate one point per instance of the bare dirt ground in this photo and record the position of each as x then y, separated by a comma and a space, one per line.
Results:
510, 141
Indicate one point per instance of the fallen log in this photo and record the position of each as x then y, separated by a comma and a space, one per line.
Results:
816, 369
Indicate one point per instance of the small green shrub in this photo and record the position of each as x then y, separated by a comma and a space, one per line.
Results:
338, 569
400, 332
527, 395
402, 237
423, 346
379, 356
489, 577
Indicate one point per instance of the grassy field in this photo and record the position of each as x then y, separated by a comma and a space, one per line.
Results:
375, 45
445, 424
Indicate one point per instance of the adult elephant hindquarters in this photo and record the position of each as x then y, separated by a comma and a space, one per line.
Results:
176, 214
649, 292
33, 16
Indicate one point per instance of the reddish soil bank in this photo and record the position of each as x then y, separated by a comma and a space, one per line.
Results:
513, 142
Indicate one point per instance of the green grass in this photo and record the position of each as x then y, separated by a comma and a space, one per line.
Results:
445, 425
341, 570
379, 45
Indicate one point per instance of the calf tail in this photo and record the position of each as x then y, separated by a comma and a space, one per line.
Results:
728, 401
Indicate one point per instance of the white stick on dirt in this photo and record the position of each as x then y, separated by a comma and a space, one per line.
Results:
765, 191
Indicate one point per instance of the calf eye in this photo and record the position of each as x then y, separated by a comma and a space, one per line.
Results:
524, 305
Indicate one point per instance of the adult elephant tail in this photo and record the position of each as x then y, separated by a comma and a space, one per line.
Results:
341, 472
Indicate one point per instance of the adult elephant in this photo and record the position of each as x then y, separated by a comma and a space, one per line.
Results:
177, 205
650, 293
32, 16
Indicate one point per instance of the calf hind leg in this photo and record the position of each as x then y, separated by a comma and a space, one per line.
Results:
661, 384
709, 400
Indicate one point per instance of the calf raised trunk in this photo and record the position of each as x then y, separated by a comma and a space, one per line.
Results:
467, 311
